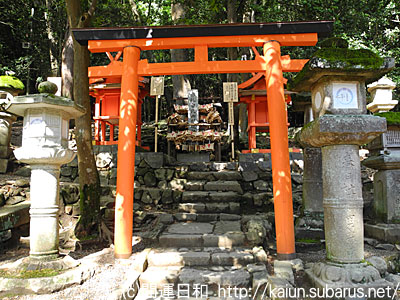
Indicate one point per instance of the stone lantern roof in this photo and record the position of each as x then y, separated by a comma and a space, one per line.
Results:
335, 59
21, 103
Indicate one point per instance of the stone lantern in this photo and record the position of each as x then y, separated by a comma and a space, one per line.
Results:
10, 87
385, 157
45, 148
381, 93
311, 221
336, 77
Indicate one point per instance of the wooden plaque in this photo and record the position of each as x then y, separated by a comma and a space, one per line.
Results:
230, 92
157, 86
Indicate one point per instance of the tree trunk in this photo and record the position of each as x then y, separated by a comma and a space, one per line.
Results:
54, 63
232, 51
181, 83
67, 66
88, 176
248, 17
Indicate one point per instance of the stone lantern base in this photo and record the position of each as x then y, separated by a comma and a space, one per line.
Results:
31, 263
361, 276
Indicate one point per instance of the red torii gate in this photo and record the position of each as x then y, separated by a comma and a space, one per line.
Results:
131, 41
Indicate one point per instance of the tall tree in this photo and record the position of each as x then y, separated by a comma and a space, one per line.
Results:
88, 175
232, 51
181, 83
67, 65
54, 65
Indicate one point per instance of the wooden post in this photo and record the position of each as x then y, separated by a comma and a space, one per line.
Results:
281, 177
230, 90
251, 124
231, 123
156, 123
126, 154
156, 89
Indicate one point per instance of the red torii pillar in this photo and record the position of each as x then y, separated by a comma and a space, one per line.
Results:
126, 153
281, 178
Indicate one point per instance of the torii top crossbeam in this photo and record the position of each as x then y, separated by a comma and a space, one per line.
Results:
129, 42
200, 38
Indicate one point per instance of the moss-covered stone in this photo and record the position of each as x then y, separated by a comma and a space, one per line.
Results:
349, 59
25, 274
392, 118
360, 63
334, 42
11, 82
47, 87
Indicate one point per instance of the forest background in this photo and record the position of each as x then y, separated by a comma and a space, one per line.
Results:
35, 40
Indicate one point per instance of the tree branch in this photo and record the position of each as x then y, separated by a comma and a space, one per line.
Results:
92, 8
135, 12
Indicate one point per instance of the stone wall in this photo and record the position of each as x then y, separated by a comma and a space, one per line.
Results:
160, 180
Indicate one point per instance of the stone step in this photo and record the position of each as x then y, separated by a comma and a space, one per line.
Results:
232, 278
223, 186
211, 196
194, 185
211, 207
213, 176
216, 283
225, 234
211, 257
183, 217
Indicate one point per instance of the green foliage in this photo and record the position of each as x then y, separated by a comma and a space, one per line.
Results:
392, 118
372, 25
23, 23
334, 42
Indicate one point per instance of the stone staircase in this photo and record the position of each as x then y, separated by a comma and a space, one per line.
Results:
208, 247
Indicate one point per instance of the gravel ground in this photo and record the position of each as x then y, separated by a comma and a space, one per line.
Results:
110, 274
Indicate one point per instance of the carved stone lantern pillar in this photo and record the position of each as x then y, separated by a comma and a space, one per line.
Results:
45, 148
336, 77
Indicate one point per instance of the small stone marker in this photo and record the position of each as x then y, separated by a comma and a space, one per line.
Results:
193, 109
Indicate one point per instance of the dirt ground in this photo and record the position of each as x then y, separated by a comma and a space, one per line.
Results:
109, 275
